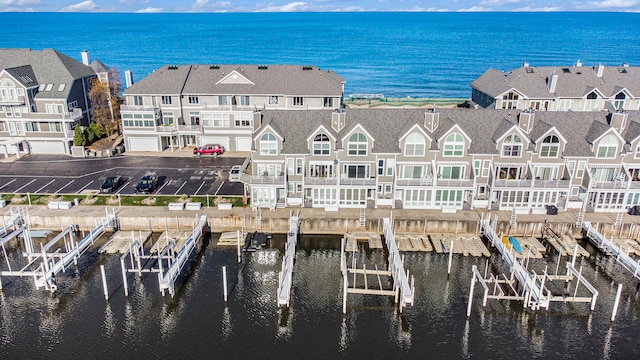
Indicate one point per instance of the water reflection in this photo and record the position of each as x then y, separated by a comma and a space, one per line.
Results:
227, 326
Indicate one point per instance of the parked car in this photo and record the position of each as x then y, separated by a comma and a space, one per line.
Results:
234, 174
111, 184
147, 184
209, 149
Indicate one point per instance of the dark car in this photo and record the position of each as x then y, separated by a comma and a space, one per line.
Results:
209, 149
111, 184
147, 184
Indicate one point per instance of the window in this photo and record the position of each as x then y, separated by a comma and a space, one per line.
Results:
411, 171
54, 108
72, 105
357, 144
414, 145
512, 146
55, 127
637, 153
299, 166
564, 105
510, 101
245, 101
166, 100
476, 167
320, 170
290, 166
591, 102
222, 100
167, 117
580, 169
608, 147
243, 120
61, 87
550, 146
298, 101
619, 102
215, 120
509, 172
49, 87
546, 172
486, 166
454, 145
321, 145
273, 100
137, 100
328, 102
193, 99
357, 171
451, 172
381, 167
390, 166
31, 126
194, 117
268, 144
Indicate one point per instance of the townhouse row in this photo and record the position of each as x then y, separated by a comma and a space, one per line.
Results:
445, 159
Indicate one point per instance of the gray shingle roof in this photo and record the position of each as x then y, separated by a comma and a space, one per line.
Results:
573, 82
24, 74
483, 126
272, 80
49, 67
168, 80
98, 66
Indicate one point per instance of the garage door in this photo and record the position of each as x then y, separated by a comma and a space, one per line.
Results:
224, 141
47, 147
243, 144
143, 144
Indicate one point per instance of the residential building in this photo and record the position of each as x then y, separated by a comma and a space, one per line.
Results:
194, 105
559, 88
445, 159
43, 95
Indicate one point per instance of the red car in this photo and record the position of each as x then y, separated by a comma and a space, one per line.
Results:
209, 149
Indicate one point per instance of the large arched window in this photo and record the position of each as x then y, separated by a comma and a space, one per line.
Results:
608, 147
321, 145
512, 146
414, 145
454, 145
550, 146
268, 145
357, 144
8, 90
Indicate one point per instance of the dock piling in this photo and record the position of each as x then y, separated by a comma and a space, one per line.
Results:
616, 303
450, 257
104, 283
224, 282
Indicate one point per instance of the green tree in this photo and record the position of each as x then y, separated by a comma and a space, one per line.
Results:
94, 132
79, 137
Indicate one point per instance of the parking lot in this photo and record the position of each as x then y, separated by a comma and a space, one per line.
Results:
45, 174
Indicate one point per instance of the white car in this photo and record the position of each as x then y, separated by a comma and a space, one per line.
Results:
234, 174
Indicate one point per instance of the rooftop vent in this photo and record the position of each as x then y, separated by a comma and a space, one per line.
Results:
214, 67
529, 70
307, 67
262, 67
172, 67
566, 70
622, 70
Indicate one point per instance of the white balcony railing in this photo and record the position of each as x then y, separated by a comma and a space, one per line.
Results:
552, 184
320, 181
512, 183
190, 128
125, 107
358, 181
262, 180
18, 100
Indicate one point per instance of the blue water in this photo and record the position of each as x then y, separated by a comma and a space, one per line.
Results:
396, 54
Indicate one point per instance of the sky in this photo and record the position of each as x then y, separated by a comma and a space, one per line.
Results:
151, 6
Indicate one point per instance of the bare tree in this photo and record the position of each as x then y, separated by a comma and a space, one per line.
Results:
105, 103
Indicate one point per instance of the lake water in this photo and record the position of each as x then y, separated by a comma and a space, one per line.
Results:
77, 323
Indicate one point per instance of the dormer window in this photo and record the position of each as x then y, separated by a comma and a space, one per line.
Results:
619, 102
550, 146
268, 145
510, 100
357, 144
512, 146
454, 145
591, 102
608, 147
321, 145
414, 145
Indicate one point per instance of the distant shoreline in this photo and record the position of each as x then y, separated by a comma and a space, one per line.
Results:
407, 102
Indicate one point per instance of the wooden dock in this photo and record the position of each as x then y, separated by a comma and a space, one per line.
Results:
374, 240
465, 244
120, 241
412, 242
628, 246
180, 238
230, 238
531, 248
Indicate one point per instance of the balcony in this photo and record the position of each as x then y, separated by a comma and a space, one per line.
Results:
73, 114
320, 181
552, 184
18, 100
138, 108
190, 129
512, 183
614, 184
208, 106
261, 180
167, 128
459, 183
369, 182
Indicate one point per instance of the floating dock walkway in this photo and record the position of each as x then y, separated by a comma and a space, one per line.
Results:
286, 275
608, 247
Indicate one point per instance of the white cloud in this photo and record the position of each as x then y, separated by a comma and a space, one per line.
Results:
290, 7
538, 9
206, 5
610, 4
475, 9
19, 2
499, 2
86, 6
150, 10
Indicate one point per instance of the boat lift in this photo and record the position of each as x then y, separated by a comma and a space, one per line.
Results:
609, 248
43, 266
533, 293
285, 277
166, 261
402, 291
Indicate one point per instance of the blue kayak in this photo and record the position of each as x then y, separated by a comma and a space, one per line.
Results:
515, 244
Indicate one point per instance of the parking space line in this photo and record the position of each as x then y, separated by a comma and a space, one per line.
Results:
5, 185
24, 186
69, 183
219, 188
162, 187
84, 187
180, 188
45, 185
201, 185
123, 187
